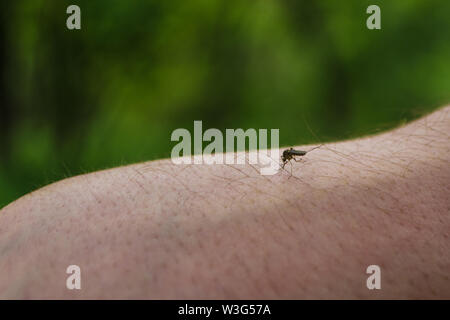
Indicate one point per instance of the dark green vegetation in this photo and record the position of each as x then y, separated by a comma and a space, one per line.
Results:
112, 93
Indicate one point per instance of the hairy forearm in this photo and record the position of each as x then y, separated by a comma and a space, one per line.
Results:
159, 230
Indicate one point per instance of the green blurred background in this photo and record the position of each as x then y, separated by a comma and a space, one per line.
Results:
112, 93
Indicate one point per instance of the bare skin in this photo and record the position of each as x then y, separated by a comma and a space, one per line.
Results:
159, 230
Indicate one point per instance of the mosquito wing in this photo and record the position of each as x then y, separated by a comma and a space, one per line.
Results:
297, 152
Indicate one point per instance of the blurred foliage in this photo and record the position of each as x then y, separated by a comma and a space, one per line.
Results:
112, 92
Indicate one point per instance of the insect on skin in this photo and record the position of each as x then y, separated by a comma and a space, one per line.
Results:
291, 154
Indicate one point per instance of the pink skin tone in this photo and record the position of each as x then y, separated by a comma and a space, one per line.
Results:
159, 230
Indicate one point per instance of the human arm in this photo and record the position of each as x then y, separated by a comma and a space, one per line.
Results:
159, 230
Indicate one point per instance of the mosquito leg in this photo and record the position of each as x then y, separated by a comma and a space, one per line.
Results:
291, 169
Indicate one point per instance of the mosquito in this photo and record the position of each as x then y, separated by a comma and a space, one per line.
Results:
291, 154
